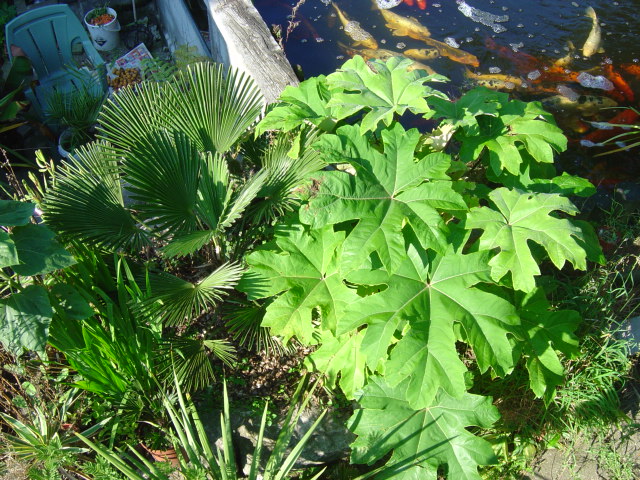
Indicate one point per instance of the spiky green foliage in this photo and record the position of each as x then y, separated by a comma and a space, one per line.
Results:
196, 453
175, 301
87, 202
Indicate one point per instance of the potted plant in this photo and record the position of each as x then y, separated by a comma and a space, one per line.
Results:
74, 113
157, 442
104, 28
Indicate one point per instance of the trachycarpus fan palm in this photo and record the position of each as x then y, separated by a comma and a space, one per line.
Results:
160, 180
160, 176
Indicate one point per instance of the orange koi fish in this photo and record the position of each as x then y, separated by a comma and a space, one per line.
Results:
422, 4
622, 87
631, 69
557, 74
523, 61
624, 117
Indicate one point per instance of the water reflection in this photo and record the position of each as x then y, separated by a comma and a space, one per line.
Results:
578, 58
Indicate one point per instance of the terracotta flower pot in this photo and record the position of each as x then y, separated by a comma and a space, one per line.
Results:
168, 455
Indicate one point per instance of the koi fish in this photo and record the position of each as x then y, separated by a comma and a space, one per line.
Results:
556, 74
455, 54
622, 87
384, 55
624, 117
422, 53
494, 81
587, 105
353, 29
402, 26
565, 61
422, 4
592, 45
631, 69
523, 61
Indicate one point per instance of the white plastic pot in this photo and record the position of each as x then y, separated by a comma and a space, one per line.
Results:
62, 140
104, 37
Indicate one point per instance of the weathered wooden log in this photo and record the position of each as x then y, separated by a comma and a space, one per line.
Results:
239, 37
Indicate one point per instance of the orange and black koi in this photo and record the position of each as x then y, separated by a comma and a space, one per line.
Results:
557, 74
622, 87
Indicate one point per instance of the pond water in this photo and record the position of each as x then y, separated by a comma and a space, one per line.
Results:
532, 49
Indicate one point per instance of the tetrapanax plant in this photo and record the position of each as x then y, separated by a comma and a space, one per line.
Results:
397, 259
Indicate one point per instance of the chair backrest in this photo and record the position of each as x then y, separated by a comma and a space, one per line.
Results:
46, 35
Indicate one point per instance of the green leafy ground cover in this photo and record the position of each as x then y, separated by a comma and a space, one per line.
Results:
415, 264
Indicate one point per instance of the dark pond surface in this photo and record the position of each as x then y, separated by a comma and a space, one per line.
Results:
522, 39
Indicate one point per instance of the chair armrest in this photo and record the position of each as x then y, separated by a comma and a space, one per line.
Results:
97, 61
92, 53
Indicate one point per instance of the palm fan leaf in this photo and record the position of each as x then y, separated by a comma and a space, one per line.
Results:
211, 105
285, 174
86, 202
185, 244
244, 322
218, 105
215, 190
176, 301
243, 198
190, 359
134, 114
163, 171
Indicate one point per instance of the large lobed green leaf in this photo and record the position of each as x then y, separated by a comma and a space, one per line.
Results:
298, 105
465, 111
303, 268
512, 132
426, 297
547, 332
341, 360
384, 90
388, 188
522, 217
424, 439
24, 320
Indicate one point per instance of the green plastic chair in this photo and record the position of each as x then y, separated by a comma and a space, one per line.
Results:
47, 35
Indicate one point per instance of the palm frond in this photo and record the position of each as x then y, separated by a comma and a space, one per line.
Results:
163, 171
186, 244
243, 198
77, 108
215, 190
284, 175
212, 105
243, 321
176, 301
134, 114
218, 105
86, 202
190, 359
